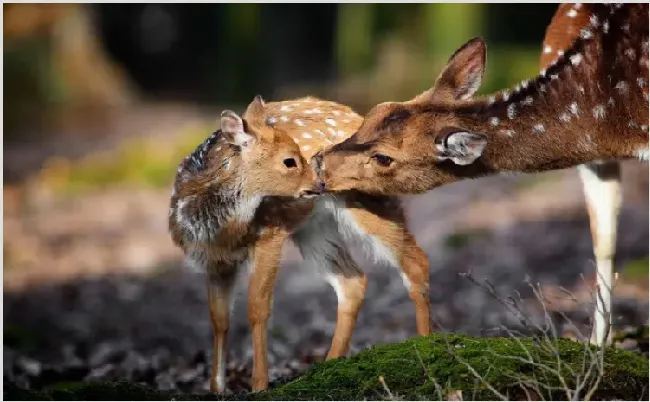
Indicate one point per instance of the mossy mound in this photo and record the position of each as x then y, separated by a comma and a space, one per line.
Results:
425, 368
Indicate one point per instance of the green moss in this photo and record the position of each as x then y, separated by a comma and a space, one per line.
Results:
417, 369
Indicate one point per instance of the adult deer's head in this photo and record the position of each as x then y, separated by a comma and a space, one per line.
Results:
399, 149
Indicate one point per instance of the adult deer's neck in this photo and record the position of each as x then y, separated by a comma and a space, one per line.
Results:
591, 104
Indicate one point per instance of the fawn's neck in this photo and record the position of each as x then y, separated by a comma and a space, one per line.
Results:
584, 107
209, 203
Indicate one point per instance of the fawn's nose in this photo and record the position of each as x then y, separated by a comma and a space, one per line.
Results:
317, 189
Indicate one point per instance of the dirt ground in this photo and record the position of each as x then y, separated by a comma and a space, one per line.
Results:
94, 288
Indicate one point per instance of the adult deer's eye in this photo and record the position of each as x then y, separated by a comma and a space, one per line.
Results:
383, 160
290, 163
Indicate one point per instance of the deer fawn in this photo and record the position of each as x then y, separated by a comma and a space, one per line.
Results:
601, 180
233, 205
590, 104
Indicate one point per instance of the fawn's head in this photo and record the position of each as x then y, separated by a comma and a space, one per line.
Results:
255, 157
398, 149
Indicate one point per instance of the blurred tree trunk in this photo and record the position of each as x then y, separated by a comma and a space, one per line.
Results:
53, 49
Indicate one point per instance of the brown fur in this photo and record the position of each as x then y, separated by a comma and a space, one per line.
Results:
443, 137
247, 161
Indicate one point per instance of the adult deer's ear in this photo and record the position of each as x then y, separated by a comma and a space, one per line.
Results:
232, 127
254, 114
462, 75
462, 147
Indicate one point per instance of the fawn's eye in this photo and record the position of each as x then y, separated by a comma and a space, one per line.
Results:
383, 160
290, 163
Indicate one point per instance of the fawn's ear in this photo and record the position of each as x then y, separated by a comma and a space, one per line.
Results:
462, 75
462, 147
232, 127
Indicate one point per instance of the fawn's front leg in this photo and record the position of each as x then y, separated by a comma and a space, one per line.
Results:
220, 286
264, 268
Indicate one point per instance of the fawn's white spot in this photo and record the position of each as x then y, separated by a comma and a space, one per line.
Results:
574, 108
621, 86
576, 59
572, 13
644, 128
512, 111
548, 49
524, 83
494, 121
586, 33
331, 131
509, 133
271, 121
554, 76
284, 118
336, 113
581, 89
319, 132
560, 52
299, 122
605, 26
565, 117
285, 108
306, 148
491, 100
306, 135
341, 133
539, 128
593, 20
330, 121
346, 121
641, 82
506, 95
542, 72
598, 112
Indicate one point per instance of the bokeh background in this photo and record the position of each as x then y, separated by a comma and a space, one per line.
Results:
101, 102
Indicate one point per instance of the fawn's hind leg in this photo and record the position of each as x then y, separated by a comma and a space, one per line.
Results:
379, 223
322, 245
220, 284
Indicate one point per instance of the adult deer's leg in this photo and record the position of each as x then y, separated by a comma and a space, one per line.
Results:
321, 244
602, 187
265, 263
220, 284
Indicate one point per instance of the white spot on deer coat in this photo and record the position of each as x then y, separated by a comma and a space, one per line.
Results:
576, 59
548, 49
574, 108
539, 128
494, 121
330, 121
284, 118
306, 135
306, 148
285, 108
565, 117
512, 111
299, 122
621, 86
598, 111
572, 13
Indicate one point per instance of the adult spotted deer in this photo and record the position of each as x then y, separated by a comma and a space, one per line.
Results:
234, 205
601, 179
590, 104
